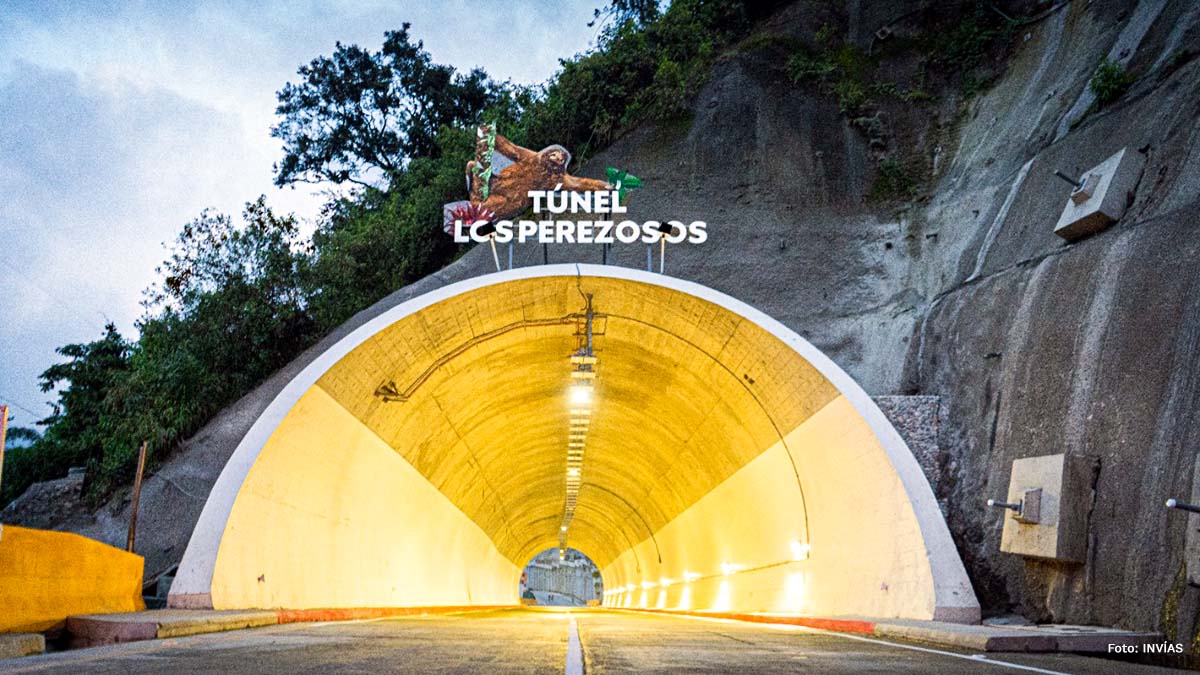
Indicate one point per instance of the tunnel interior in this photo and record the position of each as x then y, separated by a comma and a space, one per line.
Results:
719, 463
561, 576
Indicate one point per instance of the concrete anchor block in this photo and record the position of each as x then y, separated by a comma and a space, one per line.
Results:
1064, 485
1192, 539
1102, 195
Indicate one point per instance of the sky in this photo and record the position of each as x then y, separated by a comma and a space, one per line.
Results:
121, 121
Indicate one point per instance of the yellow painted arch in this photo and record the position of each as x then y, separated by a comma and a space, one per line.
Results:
728, 465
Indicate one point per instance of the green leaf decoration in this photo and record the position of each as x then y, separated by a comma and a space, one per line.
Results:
624, 180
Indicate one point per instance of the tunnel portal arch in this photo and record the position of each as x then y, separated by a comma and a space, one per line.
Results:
729, 465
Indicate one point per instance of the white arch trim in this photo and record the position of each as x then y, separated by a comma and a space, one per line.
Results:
954, 599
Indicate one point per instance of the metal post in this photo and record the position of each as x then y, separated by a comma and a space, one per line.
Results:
662, 258
1075, 182
545, 254
137, 494
1176, 504
495, 255
510, 251
1006, 505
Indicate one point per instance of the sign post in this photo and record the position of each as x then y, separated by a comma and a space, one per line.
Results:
3, 436
3, 439
137, 493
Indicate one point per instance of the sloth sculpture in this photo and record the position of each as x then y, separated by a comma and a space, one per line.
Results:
514, 171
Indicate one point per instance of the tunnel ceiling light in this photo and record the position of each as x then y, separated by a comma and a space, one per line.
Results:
690, 576
730, 568
581, 396
800, 550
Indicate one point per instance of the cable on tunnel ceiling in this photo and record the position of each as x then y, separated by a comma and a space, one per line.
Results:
389, 392
639, 515
745, 385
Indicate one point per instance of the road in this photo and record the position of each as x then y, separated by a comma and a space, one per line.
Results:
543, 641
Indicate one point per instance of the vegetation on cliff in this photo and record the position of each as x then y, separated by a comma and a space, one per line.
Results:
240, 298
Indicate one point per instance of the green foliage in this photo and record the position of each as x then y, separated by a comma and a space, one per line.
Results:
894, 180
79, 430
836, 67
850, 94
1109, 82
238, 299
967, 41
360, 112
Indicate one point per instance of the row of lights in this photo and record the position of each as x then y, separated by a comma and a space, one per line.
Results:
800, 551
581, 396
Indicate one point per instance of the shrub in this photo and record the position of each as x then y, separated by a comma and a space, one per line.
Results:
1109, 82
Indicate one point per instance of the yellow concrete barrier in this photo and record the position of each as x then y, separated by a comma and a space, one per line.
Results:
46, 576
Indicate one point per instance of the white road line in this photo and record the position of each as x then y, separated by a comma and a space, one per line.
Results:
574, 665
981, 659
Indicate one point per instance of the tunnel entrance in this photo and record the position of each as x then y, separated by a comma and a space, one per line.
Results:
560, 577
702, 454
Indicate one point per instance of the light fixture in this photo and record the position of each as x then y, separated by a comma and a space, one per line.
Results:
581, 394
800, 551
690, 576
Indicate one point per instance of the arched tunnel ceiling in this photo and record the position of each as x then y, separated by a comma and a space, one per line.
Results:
686, 394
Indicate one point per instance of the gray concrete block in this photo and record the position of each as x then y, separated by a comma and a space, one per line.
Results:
1064, 486
1192, 538
1102, 198
13, 645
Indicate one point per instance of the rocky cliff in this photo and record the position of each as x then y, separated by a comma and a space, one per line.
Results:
955, 287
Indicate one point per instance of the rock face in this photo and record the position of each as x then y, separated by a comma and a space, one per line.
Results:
1033, 345
46, 504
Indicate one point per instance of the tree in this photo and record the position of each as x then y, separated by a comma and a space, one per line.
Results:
359, 116
640, 12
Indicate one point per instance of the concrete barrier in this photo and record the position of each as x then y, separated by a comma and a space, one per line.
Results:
13, 645
46, 576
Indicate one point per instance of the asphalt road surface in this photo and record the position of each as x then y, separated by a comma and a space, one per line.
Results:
595, 642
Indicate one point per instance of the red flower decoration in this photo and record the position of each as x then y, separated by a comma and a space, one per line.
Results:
471, 214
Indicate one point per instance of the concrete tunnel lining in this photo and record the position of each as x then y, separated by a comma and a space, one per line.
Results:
699, 483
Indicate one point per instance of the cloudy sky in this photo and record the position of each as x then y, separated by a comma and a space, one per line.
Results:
120, 121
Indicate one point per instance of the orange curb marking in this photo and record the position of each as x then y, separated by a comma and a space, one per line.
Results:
836, 625
359, 613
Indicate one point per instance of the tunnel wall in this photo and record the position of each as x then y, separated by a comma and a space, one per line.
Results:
742, 547
331, 516
315, 510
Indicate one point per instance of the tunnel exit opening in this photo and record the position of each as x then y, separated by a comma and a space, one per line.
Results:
561, 577
719, 463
